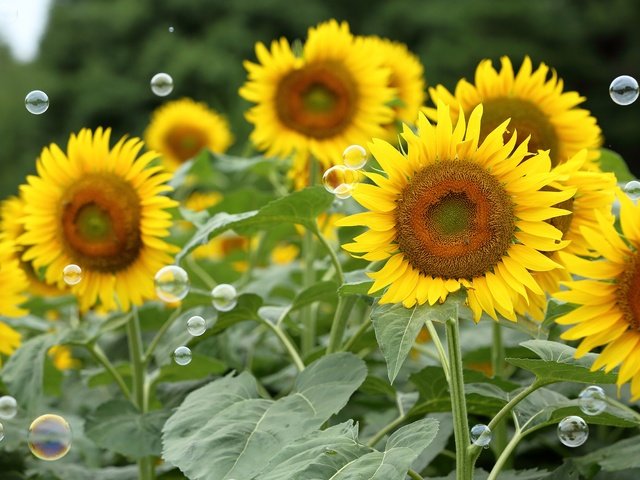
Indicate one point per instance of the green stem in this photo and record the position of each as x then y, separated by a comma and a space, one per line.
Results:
497, 363
200, 272
366, 325
332, 254
156, 340
504, 456
441, 352
384, 430
286, 343
102, 358
414, 475
458, 401
339, 323
308, 279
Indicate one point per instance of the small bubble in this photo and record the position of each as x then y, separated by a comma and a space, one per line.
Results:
182, 355
72, 274
224, 297
37, 102
162, 84
592, 400
340, 181
632, 189
196, 325
171, 29
573, 431
1, 432
49, 437
481, 435
354, 157
172, 283
8, 407
624, 90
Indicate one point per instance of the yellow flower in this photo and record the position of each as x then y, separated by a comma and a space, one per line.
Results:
608, 297
103, 209
62, 359
455, 213
284, 254
334, 95
536, 105
180, 129
13, 282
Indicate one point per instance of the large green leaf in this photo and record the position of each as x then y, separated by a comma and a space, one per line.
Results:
621, 455
610, 161
558, 364
119, 427
224, 430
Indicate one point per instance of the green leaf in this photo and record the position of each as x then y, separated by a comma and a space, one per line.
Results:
246, 309
23, 373
610, 161
445, 430
119, 427
224, 430
356, 283
200, 366
558, 364
621, 455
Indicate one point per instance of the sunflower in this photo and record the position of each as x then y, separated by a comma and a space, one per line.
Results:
452, 213
608, 297
101, 209
536, 105
180, 129
13, 282
335, 94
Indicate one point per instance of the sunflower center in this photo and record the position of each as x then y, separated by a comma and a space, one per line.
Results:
628, 292
318, 100
526, 118
184, 142
101, 223
454, 220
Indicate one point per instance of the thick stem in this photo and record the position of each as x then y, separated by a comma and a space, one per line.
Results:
458, 402
340, 323
504, 456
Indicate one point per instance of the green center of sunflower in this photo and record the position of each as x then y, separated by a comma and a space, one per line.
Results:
100, 226
318, 100
454, 220
628, 292
526, 118
185, 142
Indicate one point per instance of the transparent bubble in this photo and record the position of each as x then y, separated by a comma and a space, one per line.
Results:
592, 400
171, 29
481, 435
49, 437
196, 325
340, 180
224, 297
632, 189
354, 157
182, 355
162, 84
72, 274
624, 90
172, 283
1, 432
8, 11
8, 407
573, 431
37, 102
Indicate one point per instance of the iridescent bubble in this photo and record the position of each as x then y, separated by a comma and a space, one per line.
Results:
8, 407
354, 157
224, 297
37, 102
1, 432
172, 283
49, 437
72, 274
592, 400
162, 84
196, 325
632, 189
624, 90
573, 431
182, 355
481, 435
340, 181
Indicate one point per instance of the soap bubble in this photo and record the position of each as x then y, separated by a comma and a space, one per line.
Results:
172, 283
37, 102
632, 189
340, 181
182, 355
162, 84
481, 435
196, 325
49, 437
354, 157
624, 90
72, 274
171, 29
8, 407
592, 400
1, 432
224, 297
573, 431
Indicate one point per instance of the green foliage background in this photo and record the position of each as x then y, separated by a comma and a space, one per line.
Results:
97, 57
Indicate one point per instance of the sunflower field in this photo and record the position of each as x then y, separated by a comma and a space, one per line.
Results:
359, 260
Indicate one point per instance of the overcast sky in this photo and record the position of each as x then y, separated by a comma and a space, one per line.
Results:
22, 23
